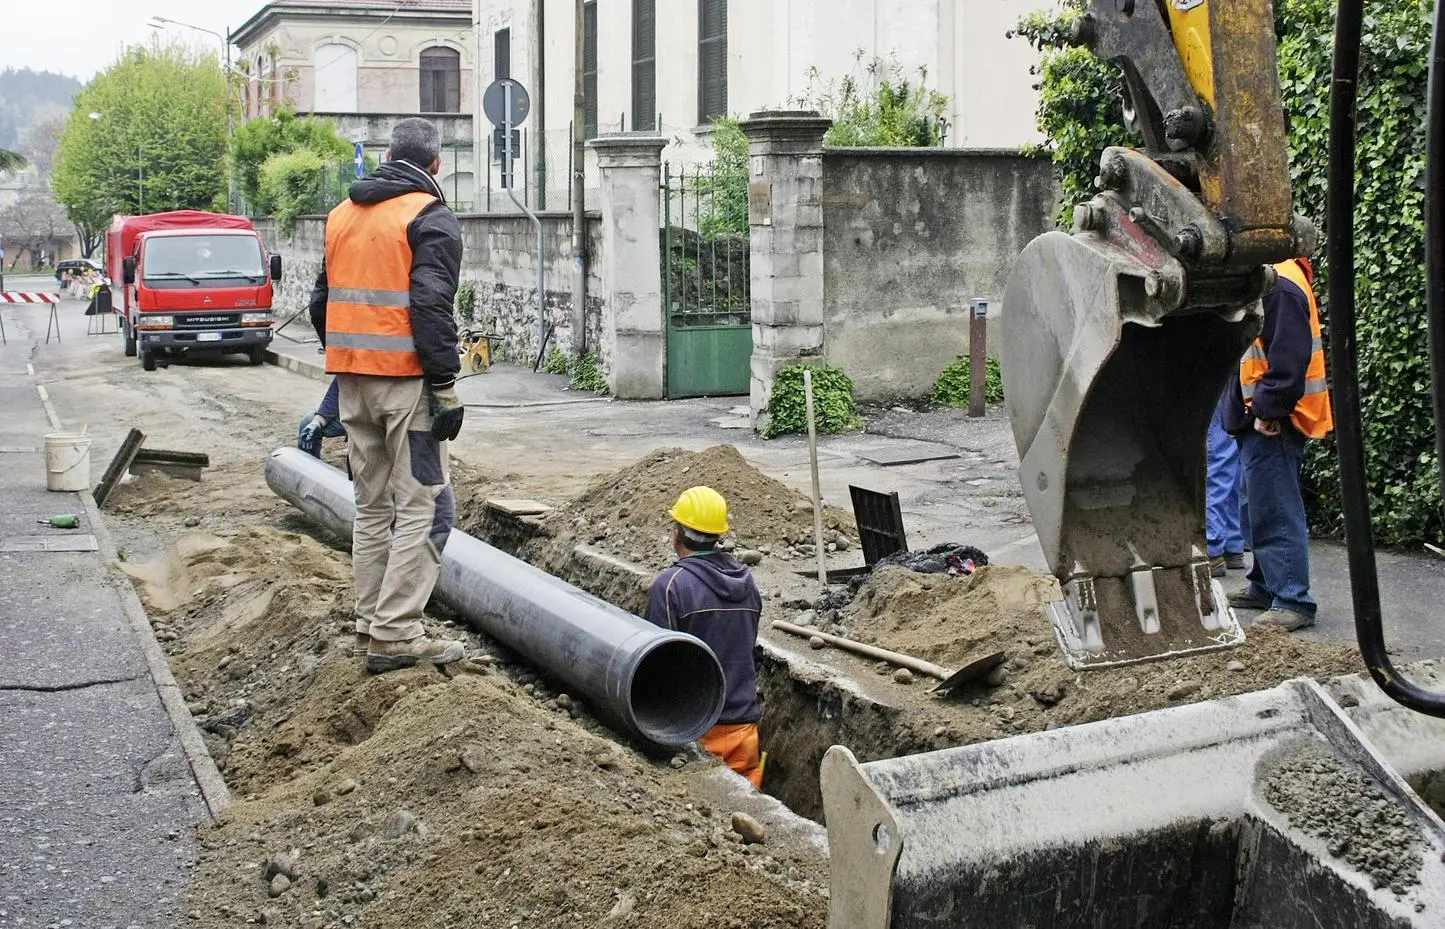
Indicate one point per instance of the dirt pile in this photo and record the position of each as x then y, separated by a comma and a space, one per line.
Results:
418, 799
625, 514
950, 620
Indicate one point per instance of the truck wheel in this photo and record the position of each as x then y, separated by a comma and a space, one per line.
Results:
257, 354
129, 340
147, 359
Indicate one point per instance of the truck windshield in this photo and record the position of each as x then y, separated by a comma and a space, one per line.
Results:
199, 257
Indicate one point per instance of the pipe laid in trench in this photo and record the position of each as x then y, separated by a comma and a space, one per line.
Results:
664, 686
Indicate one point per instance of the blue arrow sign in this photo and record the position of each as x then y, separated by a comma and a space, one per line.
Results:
360, 160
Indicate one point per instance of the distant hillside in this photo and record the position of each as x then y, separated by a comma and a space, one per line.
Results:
31, 97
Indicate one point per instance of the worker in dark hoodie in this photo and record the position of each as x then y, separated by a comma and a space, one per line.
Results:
382, 306
708, 594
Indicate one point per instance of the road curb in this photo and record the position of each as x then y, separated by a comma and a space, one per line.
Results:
304, 368
203, 767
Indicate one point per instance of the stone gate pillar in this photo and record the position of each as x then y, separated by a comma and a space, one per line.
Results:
634, 327
785, 220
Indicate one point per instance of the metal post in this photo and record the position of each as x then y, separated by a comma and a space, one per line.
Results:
977, 357
509, 178
817, 490
667, 243
579, 177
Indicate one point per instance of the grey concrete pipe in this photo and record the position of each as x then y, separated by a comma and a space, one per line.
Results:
666, 687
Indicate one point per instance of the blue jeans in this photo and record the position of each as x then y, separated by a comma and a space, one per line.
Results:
1274, 518
1221, 495
332, 430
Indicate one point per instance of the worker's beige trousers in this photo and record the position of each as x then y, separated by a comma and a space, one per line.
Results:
404, 504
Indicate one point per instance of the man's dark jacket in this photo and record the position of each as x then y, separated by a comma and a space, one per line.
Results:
436, 267
1288, 344
711, 596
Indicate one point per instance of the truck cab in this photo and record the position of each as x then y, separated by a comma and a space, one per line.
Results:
194, 286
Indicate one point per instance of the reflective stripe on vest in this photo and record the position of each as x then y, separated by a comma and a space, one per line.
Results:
1312, 414
368, 274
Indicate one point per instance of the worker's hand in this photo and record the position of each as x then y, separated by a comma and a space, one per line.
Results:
446, 414
1266, 427
312, 430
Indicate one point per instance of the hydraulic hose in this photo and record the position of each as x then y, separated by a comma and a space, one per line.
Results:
1344, 347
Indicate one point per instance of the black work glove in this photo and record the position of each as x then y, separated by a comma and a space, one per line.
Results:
446, 414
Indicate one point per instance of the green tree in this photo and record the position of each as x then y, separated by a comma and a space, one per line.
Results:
722, 185
10, 161
147, 134
291, 185
1079, 113
259, 139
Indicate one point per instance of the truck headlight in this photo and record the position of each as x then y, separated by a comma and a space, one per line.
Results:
255, 319
155, 322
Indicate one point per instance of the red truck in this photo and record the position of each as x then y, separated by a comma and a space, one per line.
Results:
193, 282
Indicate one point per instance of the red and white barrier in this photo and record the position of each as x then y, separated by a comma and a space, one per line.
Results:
17, 296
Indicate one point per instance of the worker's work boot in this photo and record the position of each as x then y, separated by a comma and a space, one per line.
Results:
361, 646
1234, 561
1288, 620
389, 656
1246, 599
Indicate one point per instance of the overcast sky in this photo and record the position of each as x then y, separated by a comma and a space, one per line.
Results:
81, 37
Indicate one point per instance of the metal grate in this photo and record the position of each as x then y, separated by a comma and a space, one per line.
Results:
880, 523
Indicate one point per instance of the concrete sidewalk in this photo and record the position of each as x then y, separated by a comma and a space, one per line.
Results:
99, 796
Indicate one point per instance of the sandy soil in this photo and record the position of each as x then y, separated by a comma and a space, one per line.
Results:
489, 798
417, 798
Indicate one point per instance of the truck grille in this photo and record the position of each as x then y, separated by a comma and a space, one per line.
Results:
207, 320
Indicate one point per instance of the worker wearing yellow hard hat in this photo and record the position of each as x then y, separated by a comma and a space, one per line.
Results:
709, 594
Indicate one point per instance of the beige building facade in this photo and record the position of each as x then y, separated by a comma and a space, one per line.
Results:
364, 64
673, 65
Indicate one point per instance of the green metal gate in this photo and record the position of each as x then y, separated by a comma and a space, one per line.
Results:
705, 285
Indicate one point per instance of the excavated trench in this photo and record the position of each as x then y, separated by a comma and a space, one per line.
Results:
1233, 873
806, 710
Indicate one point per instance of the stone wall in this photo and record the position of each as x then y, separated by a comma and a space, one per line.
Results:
500, 259
909, 237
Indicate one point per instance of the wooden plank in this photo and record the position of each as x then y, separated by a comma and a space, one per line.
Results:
118, 466
36, 543
518, 507
169, 468
162, 456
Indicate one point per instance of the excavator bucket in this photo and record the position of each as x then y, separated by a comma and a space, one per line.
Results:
1268, 810
1112, 373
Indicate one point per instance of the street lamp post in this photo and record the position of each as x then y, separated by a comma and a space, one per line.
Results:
160, 22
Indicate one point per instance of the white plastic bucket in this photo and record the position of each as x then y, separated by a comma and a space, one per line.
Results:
67, 462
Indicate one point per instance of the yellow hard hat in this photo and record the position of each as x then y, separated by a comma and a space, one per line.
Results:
701, 509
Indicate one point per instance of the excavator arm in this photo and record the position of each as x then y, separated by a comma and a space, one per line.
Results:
1120, 337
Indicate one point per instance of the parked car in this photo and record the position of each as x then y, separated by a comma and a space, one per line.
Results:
77, 264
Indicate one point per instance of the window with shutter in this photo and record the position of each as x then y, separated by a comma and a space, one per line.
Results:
712, 60
441, 80
589, 69
644, 64
503, 57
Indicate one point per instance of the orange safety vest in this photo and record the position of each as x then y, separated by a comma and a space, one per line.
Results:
1312, 415
368, 276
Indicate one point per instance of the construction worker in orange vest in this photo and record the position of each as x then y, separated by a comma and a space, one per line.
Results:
382, 306
1280, 399
709, 594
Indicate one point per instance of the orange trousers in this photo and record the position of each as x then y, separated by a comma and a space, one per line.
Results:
737, 745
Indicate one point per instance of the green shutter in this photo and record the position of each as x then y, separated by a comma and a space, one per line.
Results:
589, 68
712, 60
644, 64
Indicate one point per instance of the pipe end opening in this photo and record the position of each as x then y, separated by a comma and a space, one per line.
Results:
677, 692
